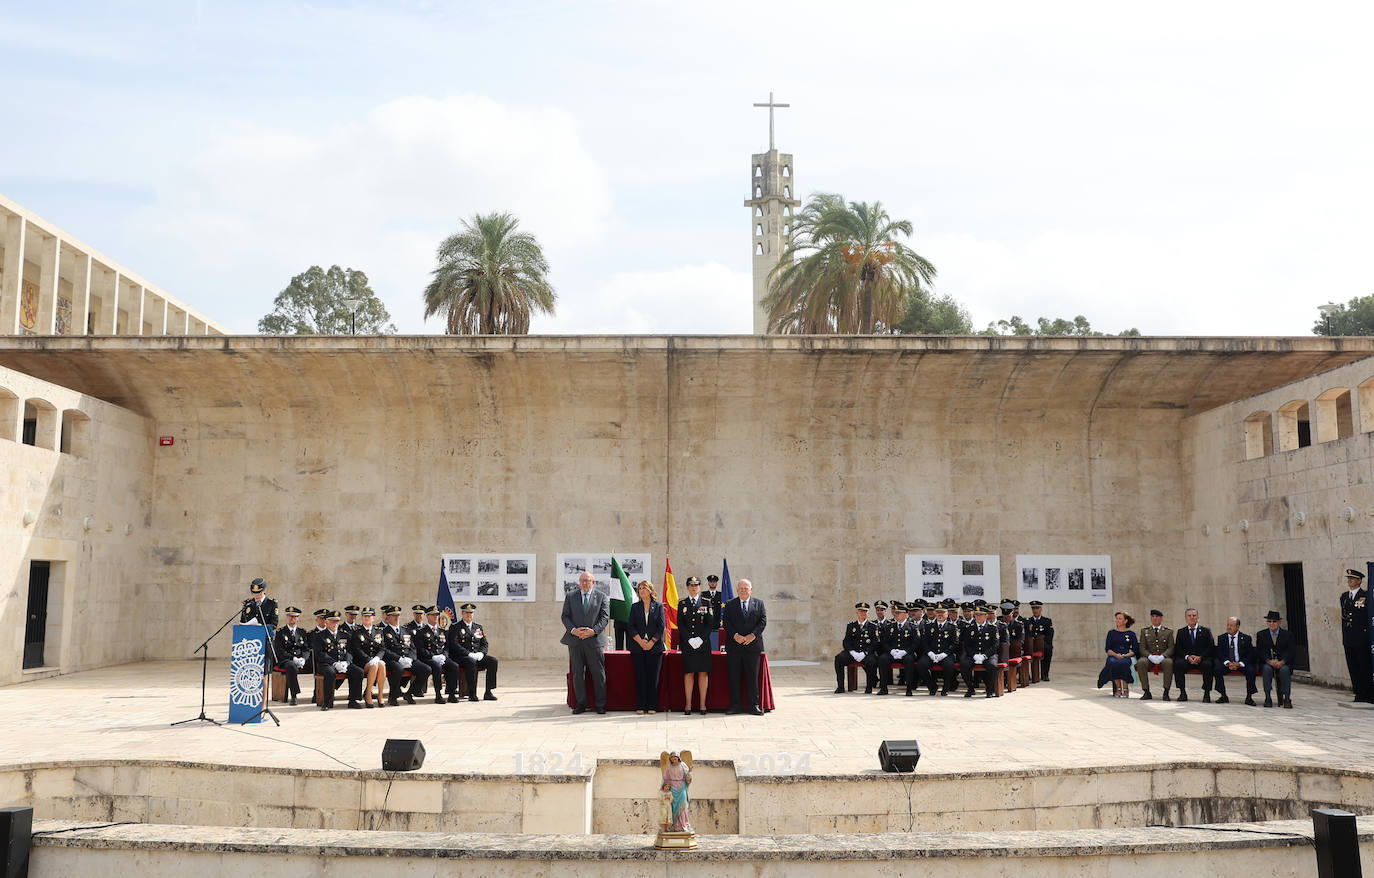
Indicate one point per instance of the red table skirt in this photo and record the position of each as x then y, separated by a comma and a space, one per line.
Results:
620, 683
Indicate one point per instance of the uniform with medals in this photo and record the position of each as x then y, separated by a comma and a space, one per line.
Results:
293, 652
467, 645
942, 645
884, 626
431, 645
252, 607
365, 645
1042, 626
696, 618
905, 639
1355, 635
861, 644
398, 652
332, 659
984, 639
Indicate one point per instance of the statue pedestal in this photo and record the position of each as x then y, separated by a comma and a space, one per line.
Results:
675, 841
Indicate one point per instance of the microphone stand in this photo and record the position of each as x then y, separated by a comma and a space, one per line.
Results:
204, 650
267, 665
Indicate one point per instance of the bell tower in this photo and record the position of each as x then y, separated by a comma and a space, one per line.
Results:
772, 209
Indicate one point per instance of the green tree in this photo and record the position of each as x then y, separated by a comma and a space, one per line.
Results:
927, 314
313, 304
489, 279
845, 270
1044, 326
1354, 318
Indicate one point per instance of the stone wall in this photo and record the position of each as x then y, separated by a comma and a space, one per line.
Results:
91, 509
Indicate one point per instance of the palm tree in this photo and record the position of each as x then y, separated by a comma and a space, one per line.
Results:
844, 271
489, 278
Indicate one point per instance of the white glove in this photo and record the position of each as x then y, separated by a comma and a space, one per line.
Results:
340, 667
1156, 659
899, 654
298, 662
1240, 664
375, 660
696, 642
858, 656
934, 657
404, 662
941, 657
475, 656
979, 658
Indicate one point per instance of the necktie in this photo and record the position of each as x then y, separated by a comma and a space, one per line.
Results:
1235, 650
744, 607
584, 602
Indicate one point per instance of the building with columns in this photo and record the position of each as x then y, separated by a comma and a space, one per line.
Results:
53, 284
771, 205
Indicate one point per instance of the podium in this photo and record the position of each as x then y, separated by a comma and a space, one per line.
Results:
247, 680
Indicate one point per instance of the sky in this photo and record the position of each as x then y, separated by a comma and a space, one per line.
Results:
1179, 168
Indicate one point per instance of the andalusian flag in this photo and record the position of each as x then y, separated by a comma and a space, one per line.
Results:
621, 598
669, 594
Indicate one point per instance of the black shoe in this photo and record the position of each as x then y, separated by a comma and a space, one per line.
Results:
757, 711
1269, 702
473, 698
293, 701
908, 693
942, 692
323, 707
579, 710
702, 711
1146, 696
1250, 701
410, 699
968, 694
1183, 696
1166, 695
1045, 679
734, 710
882, 691
687, 712
369, 705
488, 697
839, 690
1206, 699
989, 694
353, 705
598, 710
439, 699
868, 690
1288, 703
453, 699
393, 701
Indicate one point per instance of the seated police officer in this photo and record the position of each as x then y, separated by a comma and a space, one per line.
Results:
981, 648
905, 641
861, 644
413, 626
332, 660
431, 645
293, 651
398, 652
942, 646
467, 645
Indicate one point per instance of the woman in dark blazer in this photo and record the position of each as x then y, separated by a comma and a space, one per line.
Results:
646, 646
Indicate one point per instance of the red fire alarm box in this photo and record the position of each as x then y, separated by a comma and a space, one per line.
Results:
165, 440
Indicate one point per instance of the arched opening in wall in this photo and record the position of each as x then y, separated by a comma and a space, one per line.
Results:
758, 229
786, 229
786, 171
40, 424
1366, 397
758, 171
1295, 428
1334, 415
75, 433
758, 191
787, 192
787, 210
1259, 435
758, 211
9, 416
758, 249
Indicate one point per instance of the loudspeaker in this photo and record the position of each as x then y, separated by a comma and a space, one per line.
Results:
899, 755
402, 754
16, 830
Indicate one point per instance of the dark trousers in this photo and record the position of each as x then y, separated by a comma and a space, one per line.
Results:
908, 666
1219, 679
1045, 661
583, 659
1285, 675
989, 669
743, 665
444, 670
925, 671
843, 660
330, 681
1181, 666
292, 673
419, 675
470, 669
622, 634
646, 664
1357, 660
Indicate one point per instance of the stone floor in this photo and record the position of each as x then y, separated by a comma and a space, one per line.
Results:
125, 711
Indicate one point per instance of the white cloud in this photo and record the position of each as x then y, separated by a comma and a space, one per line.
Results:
708, 298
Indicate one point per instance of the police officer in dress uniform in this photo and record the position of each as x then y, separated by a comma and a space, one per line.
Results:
941, 645
1355, 635
1043, 626
292, 647
398, 652
884, 626
983, 643
320, 616
350, 620
332, 658
696, 621
861, 644
414, 625
259, 602
365, 647
467, 645
717, 601
431, 645
906, 642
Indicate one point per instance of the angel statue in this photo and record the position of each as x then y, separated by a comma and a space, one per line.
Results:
674, 804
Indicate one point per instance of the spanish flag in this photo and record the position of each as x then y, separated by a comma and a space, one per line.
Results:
669, 595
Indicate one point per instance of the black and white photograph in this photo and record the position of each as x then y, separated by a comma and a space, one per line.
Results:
1098, 578
574, 566
1052, 578
972, 567
458, 566
932, 568
1030, 577
517, 565
488, 588
959, 576
632, 566
460, 588
517, 588
635, 566
475, 576
973, 589
1075, 579
1068, 579
569, 586
603, 586
488, 565
602, 566
932, 590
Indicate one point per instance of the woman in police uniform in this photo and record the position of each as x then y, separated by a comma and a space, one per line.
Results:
696, 620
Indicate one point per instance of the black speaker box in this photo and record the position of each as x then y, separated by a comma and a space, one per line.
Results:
899, 755
16, 829
402, 754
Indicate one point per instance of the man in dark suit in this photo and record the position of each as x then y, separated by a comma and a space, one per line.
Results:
745, 619
1235, 652
1275, 650
586, 613
1193, 648
1355, 635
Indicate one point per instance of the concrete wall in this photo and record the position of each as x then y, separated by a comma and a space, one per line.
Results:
91, 510
1230, 570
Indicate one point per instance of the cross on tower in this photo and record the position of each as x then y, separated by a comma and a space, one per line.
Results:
771, 106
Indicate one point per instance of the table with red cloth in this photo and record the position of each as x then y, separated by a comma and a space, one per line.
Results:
620, 683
